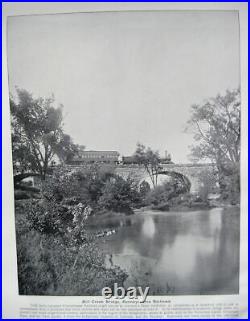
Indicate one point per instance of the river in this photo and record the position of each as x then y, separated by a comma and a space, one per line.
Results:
176, 253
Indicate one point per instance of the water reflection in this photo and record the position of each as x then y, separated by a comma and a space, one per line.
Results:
192, 253
148, 227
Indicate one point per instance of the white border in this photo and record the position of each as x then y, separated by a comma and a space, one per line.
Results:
11, 300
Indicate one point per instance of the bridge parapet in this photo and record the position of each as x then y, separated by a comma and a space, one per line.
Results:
191, 171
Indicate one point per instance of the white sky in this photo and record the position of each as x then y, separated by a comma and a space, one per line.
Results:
126, 77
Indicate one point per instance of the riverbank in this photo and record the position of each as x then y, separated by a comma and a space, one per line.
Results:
182, 208
179, 208
109, 215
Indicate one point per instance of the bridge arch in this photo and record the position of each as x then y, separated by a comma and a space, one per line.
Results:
180, 178
181, 181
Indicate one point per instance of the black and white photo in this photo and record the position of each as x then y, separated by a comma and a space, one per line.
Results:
126, 151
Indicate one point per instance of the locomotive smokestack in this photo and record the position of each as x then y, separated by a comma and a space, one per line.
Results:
167, 156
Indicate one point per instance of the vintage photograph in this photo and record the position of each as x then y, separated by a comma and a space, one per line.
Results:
126, 143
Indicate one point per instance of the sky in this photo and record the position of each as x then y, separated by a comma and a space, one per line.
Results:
126, 77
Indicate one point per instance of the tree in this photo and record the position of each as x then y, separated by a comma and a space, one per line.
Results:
150, 160
216, 126
37, 133
207, 180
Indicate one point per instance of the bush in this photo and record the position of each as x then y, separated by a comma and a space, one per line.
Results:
158, 198
48, 266
56, 254
144, 188
83, 186
119, 195
161, 207
160, 194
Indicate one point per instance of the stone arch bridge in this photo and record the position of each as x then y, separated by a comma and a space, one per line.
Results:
193, 172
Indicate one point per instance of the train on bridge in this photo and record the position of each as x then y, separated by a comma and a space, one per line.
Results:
94, 156
109, 157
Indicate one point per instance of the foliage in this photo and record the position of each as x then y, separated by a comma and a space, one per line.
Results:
62, 185
46, 266
207, 185
144, 190
92, 180
159, 195
56, 253
119, 195
164, 195
83, 185
150, 160
37, 133
94, 186
216, 126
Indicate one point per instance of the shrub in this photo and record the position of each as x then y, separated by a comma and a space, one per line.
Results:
144, 188
48, 266
119, 195
83, 185
159, 194
56, 254
161, 207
